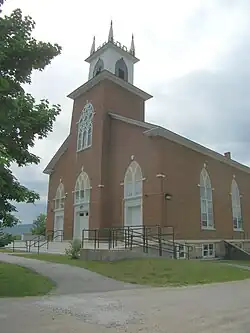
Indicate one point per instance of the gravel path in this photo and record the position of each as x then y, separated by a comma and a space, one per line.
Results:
216, 308
69, 279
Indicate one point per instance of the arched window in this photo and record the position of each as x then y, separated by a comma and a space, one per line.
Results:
121, 69
85, 127
82, 189
236, 207
60, 196
206, 201
98, 67
133, 181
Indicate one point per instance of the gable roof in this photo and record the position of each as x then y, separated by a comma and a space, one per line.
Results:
106, 75
50, 167
154, 130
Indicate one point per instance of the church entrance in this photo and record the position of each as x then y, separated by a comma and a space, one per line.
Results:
133, 213
81, 222
58, 227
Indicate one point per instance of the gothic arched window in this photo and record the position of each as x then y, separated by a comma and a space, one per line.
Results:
121, 69
82, 189
133, 181
98, 67
60, 196
236, 206
206, 201
85, 127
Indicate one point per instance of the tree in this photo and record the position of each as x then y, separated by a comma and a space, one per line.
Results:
39, 225
22, 120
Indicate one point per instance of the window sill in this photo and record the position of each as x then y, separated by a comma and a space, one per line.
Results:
208, 228
85, 148
238, 230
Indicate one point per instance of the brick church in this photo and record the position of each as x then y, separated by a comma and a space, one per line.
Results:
116, 169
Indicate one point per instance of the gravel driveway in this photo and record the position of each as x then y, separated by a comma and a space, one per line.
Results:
69, 279
217, 308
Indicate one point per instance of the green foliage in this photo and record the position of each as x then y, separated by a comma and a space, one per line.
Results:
22, 120
39, 225
74, 250
5, 239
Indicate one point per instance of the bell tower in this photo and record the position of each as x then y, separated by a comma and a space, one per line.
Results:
113, 57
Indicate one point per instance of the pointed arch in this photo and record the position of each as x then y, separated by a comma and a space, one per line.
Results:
121, 69
133, 186
206, 201
60, 196
236, 206
99, 66
82, 189
85, 127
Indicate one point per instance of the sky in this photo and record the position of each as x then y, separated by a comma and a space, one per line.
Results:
194, 59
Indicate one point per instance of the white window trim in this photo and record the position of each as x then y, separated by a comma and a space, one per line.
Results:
208, 256
87, 128
184, 250
238, 229
204, 181
236, 206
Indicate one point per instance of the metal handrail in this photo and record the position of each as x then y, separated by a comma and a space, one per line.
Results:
131, 236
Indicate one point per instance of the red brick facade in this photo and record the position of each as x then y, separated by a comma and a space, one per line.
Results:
116, 142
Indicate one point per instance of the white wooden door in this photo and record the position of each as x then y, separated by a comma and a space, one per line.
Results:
81, 222
84, 223
58, 228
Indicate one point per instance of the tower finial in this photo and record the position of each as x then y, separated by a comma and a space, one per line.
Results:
132, 47
93, 46
111, 34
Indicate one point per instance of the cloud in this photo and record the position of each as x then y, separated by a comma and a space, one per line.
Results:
194, 60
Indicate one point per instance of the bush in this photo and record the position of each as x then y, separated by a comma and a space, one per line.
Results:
5, 239
74, 250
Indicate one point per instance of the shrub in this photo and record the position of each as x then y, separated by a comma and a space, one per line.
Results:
5, 239
74, 249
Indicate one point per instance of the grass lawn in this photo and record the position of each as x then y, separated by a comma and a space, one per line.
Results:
237, 262
155, 272
16, 281
2, 249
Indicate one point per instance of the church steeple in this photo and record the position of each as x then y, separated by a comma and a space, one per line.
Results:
114, 57
93, 46
132, 47
111, 33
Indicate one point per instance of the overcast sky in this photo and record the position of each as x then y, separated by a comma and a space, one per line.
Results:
194, 61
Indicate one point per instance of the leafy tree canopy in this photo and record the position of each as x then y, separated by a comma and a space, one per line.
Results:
22, 119
39, 225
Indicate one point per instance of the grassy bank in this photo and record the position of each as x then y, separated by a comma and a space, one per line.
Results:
16, 281
155, 272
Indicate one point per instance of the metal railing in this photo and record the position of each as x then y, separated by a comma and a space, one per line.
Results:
148, 238
38, 241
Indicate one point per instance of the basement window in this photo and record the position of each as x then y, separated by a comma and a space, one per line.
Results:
208, 251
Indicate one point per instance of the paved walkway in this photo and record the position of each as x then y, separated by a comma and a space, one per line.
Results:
217, 308
69, 279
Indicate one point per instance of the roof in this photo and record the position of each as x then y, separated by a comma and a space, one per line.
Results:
115, 45
104, 74
154, 130
50, 167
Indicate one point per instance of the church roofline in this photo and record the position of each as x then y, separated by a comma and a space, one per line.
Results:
50, 167
108, 75
154, 130
116, 45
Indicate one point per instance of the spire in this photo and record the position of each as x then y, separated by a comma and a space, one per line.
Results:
111, 34
93, 46
132, 47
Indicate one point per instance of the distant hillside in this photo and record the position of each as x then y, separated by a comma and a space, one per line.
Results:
18, 229
27, 213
